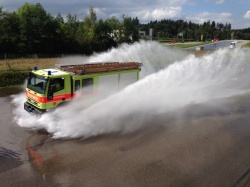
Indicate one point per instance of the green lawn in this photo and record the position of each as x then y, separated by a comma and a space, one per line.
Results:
188, 44
247, 45
194, 44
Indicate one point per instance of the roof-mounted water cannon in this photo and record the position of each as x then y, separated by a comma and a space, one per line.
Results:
35, 68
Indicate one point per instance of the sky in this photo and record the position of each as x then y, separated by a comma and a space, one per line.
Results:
235, 12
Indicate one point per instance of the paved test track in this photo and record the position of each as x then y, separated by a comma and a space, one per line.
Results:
208, 146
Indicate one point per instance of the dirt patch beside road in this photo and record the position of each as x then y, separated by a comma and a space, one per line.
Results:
242, 42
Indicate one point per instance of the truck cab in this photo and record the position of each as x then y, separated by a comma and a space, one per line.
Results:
46, 89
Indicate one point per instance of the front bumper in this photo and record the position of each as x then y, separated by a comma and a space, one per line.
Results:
32, 110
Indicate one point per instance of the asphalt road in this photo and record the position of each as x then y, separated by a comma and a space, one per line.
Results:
207, 146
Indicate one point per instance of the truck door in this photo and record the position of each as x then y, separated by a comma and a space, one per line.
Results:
56, 92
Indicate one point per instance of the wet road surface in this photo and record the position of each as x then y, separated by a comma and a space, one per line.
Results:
221, 44
206, 146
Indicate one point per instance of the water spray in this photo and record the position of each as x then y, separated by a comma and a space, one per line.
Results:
171, 80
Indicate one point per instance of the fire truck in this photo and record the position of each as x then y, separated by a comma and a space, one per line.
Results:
49, 88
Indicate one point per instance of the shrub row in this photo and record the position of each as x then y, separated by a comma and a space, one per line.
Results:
11, 78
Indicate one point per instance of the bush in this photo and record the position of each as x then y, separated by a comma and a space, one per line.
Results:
11, 78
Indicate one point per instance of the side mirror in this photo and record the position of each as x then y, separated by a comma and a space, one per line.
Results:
51, 91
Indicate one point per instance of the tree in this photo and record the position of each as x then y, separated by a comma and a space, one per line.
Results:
103, 40
96, 34
37, 29
89, 24
9, 32
115, 27
69, 32
113, 23
89, 36
129, 32
136, 22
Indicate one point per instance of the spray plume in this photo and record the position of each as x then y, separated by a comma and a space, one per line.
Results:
170, 83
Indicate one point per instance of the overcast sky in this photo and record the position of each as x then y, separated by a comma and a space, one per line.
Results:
236, 12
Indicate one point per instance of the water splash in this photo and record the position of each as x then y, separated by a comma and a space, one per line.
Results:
153, 55
179, 83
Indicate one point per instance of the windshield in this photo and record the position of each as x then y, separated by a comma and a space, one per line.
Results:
37, 83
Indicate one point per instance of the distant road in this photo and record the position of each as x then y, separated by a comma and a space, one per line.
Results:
215, 45
220, 44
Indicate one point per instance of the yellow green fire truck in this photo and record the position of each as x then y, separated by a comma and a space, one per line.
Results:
49, 88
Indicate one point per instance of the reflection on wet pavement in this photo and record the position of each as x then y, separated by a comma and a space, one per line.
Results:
9, 159
206, 146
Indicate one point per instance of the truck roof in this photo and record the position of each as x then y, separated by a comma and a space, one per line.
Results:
48, 72
81, 69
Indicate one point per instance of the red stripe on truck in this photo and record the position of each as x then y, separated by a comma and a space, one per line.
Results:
44, 99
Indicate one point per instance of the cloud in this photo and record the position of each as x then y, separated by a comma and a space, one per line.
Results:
217, 2
160, 13
172, 2
224, 17
247, 15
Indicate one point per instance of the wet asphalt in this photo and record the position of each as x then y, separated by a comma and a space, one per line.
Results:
207, 146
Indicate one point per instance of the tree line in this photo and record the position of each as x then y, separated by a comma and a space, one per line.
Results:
32, 30
191, 31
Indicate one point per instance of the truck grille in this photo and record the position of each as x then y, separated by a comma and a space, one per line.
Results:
33, 102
